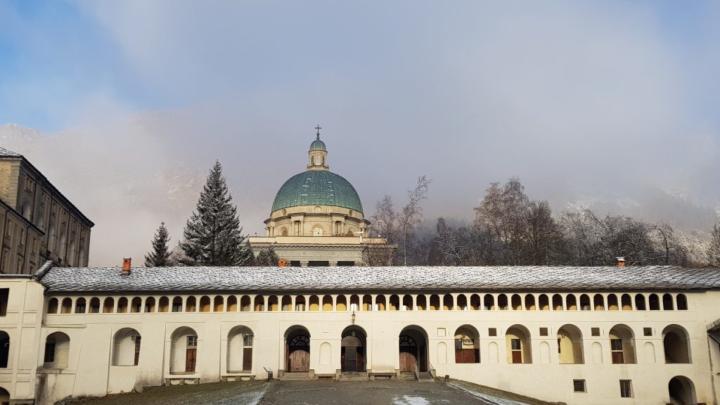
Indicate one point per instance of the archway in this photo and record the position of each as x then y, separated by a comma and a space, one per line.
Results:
676, 344
183, 350
413, 349
4, 396
57, 350
126, 347
239, 349
570, 346
517, 342
297, 350
682, 391
467, 345
353, 349
622, 345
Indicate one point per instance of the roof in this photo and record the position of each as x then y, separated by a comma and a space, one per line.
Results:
318, 145
8, 153
317, 187
111, 279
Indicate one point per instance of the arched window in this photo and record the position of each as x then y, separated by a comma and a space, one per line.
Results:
599, 302
681, 391
164, 304
668, 302
95, 305
232, 304
516, 302
626, 302
177, 304
676, 344
340, 303
259, 303
570, 345
80, 306
4, 349
585, 302
190, 304
475, 302
571, 302
66, 307
367, 303
612, 302
640, 302
467, 345
219, 304
517, 340
327, 304
489, 302
434, 302
204, 303
245, 305
557, 302
52, 306
530, 302
183, 350
681, 302
108, 305
240, 350
544, 302
126, 347
654, 302
300, 303
314, 303
462, 302
448, 302
286, 303
622, 345
149, 304
122, 305
57, 350
502, 302
407, 303
136, 304
273, 303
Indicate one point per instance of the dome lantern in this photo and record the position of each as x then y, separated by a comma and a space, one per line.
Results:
317, 155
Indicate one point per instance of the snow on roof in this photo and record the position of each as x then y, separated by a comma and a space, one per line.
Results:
492, 278
8, 153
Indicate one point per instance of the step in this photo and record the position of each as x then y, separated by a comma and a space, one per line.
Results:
295, 376
353, 376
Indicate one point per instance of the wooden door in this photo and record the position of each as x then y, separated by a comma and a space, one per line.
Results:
190, 358
517, 356
408, 362
299, 361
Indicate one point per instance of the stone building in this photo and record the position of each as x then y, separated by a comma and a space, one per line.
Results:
37, 223
580, 335
317, 219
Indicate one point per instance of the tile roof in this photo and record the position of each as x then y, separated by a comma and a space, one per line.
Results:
535, 278
8, 153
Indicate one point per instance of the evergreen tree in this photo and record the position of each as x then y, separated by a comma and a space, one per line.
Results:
714, 249
267, 257
160, 255
213, 236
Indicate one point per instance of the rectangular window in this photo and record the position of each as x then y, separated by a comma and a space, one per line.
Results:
4, 295
49, 352
626, 389
543, 331
595, 331
616, 351
647, 331
247, 340
192, 341
137, 349
492, 331
515, 344
579, 386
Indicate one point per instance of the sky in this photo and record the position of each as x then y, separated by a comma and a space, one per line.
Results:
597, 103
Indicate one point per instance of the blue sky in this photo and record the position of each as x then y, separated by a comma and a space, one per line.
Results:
609, 104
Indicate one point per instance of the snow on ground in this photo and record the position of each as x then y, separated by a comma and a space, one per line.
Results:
491, 399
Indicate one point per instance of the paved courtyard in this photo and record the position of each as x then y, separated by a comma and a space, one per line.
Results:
305, 392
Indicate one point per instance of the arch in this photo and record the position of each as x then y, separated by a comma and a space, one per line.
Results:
66, 306
126, 347
353, 349
297, 349
177, 304
232, 304
354, 303
502, 302
570, 345
240, 349
4, 349
380, 303
136, 305
462, 302
80, 305
367, 303
530, 302
612, 302
94, 305
327, 304
434, 302
557, 302
622, 345
325, 353
413, 349
516, 302
467, 345
204, 303
219, 304
314, 303
150, 304
585, 302
122, 305
676, 343
341, 303
245, 303
273, 303
4, 396
286, 303
259, 303
448, 303
164, 304
52, 306
543, 302
57, 350
640, 302
489, 302
191, 304
394, 303
183, 350
571, 302
682, 391
599, 302
300, 303
667, 300
407, 303
475, 302
517, 343
650, 352
654, 302
108, 305
682, 304
626, 302
544, 353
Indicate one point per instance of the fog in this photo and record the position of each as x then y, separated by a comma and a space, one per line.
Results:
604, 105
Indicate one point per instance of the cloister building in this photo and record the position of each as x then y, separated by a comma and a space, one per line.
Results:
590, 335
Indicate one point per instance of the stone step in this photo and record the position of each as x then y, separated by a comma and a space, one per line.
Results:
295, 376
353, 376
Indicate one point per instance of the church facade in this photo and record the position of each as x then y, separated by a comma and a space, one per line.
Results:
597, 335
317, 219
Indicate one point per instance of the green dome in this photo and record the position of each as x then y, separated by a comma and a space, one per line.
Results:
317, 187
317, 145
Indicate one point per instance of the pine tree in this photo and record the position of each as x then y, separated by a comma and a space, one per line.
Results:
213, 236
160, 255
267, 257
714, 249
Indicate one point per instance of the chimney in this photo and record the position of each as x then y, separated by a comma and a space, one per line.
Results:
127, 265
620, 262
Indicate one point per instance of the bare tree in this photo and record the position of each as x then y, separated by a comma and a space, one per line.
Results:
714, 249
384, 221
411, 214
